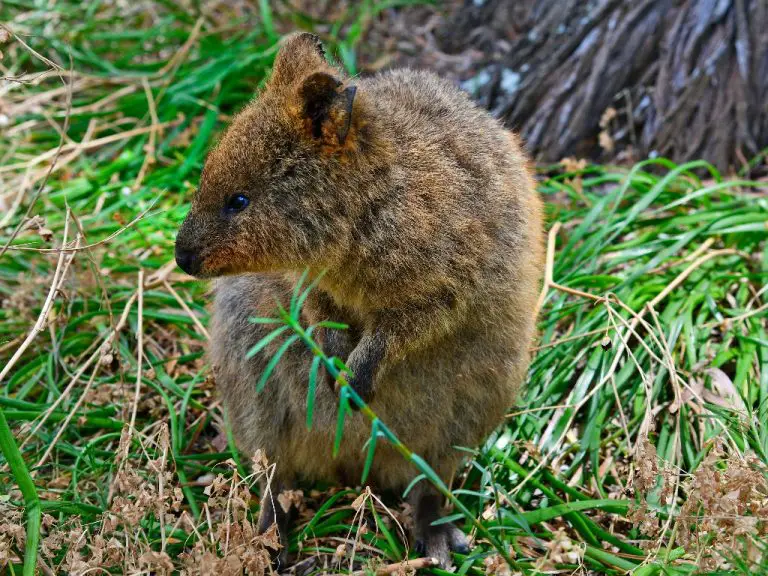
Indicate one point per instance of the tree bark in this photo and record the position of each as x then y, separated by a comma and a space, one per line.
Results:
684, 79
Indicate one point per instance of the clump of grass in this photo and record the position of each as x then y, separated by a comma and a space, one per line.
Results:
652, 350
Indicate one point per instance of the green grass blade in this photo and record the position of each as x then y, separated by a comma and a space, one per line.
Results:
28, 491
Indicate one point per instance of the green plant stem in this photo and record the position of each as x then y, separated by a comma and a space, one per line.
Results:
28, 491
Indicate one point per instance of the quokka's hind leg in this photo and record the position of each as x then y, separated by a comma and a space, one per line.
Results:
272, 512
434, 541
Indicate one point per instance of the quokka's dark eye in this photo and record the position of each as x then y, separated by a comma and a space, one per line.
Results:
236, 203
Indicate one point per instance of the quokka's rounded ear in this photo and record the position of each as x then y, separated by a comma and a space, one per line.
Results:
300, 53
327, 107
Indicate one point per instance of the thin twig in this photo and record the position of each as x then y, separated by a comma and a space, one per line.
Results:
149, 157
680, 278
69, 417
54, 154
738, 318
58, 277
139, 352
98, 142
163, 438
538, 409
575, 292
95, 271
94, 244
187, 309
404, 567
550, 264
571, 338
106, 342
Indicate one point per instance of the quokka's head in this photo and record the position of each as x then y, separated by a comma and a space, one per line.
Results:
275, 190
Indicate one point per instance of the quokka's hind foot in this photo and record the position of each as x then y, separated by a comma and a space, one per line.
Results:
435, 541
439, 541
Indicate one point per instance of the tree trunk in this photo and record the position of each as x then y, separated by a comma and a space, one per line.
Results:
684, 79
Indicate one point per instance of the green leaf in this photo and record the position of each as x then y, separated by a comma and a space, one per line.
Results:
371, 449
273, 362
552, 512
427, 470
256, 320
608, 558
266, 19
327, 505
413, 483
343, 411
264, 342
305, 294
28, 490
311, 390
447, 519
333, 325
395, 552
293, 308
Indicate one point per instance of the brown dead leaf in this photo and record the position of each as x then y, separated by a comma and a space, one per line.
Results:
604, 138
497, 565
341, 551
259, 462
562, 550
61, 481
574, 165
724, 392
158, 562
218, 487
184, 138
689, 396
220, 442
37, 224
288, 498
360, 501
571, 164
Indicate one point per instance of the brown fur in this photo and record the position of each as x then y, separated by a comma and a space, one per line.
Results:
420, 208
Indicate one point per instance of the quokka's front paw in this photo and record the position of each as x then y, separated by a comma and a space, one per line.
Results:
363, 385
363, 389
335, 344
364, 363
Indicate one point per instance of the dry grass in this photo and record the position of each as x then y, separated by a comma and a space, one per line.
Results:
640, 444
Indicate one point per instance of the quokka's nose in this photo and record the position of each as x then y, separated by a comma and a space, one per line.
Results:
188, 260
